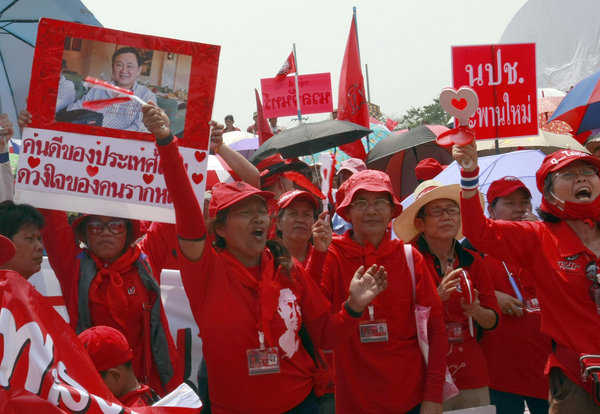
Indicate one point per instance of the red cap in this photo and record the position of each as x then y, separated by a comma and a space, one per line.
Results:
272, 168
225, 195
353, 165
368, 180
560, 159
107, 347
428, 168
288, 197
135, 225
505, 186
7, 249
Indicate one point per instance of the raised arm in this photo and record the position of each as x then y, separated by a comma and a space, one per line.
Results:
7, 181
236, 161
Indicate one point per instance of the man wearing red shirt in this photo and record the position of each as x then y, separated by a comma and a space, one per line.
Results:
516, 351
433, 224
561, 253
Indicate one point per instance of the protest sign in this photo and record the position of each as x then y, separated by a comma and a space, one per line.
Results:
87, 143
504, 78
279, 96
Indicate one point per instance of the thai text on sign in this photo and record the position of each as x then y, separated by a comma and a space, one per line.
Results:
279, 96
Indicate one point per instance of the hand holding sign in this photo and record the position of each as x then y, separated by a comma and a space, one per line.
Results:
156, 121
462, 105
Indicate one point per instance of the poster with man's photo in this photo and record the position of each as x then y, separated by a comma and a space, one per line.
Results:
87, 141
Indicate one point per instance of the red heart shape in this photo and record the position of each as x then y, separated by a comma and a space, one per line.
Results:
91, 170
148, 178
35, 134
141, 149
200, 156
197, 178
325, 172
459, 103
98, 142
33, 161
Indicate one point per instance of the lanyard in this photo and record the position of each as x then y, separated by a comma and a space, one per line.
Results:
513, 283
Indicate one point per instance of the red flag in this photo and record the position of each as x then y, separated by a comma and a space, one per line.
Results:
288, 67
352, 101
391, 124
262, 125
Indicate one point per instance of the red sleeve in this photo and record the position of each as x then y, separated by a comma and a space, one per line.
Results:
485, 287
326, 329
328, 276
62, 249
426, 295
314, 264
497, 237
158, 244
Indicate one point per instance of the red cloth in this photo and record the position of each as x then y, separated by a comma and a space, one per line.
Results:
386, 376
465, 360
289, 66
142, 397
262, 125
556, 258
63, 254
352, 100
225, 305
516, 351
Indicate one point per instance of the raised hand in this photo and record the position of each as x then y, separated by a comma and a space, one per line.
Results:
466, 155
322, 233
156, 121
24, 118
365, 286
216, 136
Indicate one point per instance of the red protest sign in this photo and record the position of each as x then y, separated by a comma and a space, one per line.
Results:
43, 366
504, 78
279, 96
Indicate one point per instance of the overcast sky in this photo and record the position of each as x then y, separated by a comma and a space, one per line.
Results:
406, 43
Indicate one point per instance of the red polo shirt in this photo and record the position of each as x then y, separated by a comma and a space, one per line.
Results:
556, 258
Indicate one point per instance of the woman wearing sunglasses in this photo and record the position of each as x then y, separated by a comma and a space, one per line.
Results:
562, 253
109, 277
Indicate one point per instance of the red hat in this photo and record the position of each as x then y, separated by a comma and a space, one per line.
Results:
135, 225
353, 165
274, 165
368, 180
225, 195
428, 168
560, 159
505, 186
288, 197
7, 249
107, 347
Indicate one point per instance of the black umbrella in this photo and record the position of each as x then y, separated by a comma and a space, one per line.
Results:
381, 153
310, 138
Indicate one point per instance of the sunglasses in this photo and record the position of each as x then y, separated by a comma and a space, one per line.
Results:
115, 227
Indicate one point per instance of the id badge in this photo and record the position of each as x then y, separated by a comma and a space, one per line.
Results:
532, 305
373, 331
263, 361
455, 332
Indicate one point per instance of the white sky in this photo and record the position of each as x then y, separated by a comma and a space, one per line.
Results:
406, 43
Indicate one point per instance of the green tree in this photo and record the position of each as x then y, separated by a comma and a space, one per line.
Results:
431, 114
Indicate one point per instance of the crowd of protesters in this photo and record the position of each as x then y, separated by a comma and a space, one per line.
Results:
348, 305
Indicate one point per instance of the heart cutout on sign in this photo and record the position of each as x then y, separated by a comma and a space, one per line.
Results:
460, 104
200, 156
148, 178
197, 178
91, 170
33, 161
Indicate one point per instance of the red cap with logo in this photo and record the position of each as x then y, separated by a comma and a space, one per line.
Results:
107, 347
7, 249
428, 168
225, 195
560, 159
505, 186
368, 180
290, 196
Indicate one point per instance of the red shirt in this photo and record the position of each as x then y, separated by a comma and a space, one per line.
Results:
144, 396
226, 309
516, 351
556, 258
63, 254
386, 376
465, 359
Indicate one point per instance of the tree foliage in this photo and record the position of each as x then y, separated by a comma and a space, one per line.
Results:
431, 114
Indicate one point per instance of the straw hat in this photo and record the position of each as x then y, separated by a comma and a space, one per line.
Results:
427, 191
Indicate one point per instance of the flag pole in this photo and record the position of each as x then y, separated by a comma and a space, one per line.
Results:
297, 88
368, 89
360, 65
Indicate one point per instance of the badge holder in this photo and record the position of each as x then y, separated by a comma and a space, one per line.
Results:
263, 360
462, 105
372, 330
455, 332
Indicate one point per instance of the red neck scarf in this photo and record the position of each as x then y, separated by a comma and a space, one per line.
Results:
368, 252
267, 288
107, 287
566, 210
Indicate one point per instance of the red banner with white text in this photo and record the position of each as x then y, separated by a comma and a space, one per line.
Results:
279, 96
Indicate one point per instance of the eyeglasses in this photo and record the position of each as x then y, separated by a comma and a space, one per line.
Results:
591, 271
571, 175
379, 204
437, 212
115, 227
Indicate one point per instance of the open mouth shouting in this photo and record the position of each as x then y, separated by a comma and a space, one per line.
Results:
584, 193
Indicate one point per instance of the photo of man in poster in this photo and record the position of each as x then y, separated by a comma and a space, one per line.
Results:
126, 68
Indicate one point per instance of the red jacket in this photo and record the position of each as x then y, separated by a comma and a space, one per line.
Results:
387, 376
516, 351
556, 258
142, 397
226, 308
465, 359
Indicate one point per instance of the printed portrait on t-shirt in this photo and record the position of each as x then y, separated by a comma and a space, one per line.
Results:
289, 311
